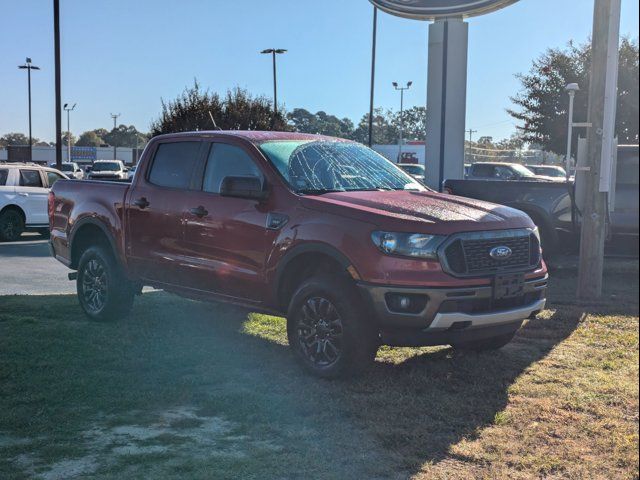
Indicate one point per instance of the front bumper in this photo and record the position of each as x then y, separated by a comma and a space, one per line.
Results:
447, 308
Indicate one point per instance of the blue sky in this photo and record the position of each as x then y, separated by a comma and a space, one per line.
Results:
122, 56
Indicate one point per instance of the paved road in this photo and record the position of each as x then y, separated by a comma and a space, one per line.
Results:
27, 268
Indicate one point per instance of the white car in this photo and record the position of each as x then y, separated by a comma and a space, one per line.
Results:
24, 192
71, 169
108, 170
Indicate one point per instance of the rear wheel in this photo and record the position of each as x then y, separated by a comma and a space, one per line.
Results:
491, 343
11, 225
103, 291
327, 329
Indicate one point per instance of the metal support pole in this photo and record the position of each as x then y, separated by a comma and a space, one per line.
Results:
373, 73
572, 95
68, 136
275, 87
56, 41
30, 137
401, 126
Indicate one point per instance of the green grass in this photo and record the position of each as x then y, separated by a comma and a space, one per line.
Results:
191, 390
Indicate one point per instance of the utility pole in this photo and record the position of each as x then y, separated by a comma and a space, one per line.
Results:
56, 43
471, 132
115, 118
28, 66
401, 89
601, 115
68, 110
373, 73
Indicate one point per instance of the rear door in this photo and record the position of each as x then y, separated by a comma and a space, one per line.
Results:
156, 203
32, 195
227, 239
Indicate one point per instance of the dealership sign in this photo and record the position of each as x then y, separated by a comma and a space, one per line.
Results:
433, 9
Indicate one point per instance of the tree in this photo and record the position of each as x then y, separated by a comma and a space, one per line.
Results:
414, 123
384, 132
15, 138
125, 136
65, 136
89, 139
321, 123
194, 107
543, 102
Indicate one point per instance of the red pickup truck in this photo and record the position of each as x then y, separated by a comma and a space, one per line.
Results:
346, 245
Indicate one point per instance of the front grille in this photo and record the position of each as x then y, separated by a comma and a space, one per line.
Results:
468, 255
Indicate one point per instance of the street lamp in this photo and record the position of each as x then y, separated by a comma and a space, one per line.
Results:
115, 119
402, 89
274, 52
571, 89
28, 67
68, 110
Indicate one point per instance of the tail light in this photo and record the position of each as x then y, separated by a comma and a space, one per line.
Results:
50, 208
448, 190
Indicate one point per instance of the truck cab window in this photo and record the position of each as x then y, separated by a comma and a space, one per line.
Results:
173, 164
225, 161
4, 174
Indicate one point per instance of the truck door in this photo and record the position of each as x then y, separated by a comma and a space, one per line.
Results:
226, 237
156, 202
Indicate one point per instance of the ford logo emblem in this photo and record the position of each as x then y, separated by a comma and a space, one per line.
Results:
500, 253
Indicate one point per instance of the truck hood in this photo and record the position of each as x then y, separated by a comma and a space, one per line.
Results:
427, 212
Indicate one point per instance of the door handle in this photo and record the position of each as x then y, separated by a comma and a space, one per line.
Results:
23, 194
142, 203
199, 211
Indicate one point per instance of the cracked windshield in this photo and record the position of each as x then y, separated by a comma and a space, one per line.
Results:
312, 167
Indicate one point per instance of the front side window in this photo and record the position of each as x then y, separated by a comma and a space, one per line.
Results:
173, 164
30, 178
483, 170
321, 166
227, 161
4, 174
522, 171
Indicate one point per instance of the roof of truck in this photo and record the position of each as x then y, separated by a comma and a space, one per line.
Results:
256, 136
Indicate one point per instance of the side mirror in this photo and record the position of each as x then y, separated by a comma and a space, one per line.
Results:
243, 187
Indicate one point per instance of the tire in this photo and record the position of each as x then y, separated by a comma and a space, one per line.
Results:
491, 343
327, 328
11, 225
103, 290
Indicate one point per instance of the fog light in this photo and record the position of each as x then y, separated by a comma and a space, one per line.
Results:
404, 303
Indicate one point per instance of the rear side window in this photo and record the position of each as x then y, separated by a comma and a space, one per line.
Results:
53, 177
174, 163
4, 174
482, 171
227, 161
30, 178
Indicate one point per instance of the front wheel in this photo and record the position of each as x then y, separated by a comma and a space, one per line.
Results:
11, 225
103, 291
327, 329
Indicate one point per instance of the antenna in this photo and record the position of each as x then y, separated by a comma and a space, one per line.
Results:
215, 126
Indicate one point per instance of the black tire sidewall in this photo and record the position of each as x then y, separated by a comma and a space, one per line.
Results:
118, 295
16, 218
358, 341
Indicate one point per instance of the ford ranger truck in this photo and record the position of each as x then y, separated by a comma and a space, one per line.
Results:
349, 248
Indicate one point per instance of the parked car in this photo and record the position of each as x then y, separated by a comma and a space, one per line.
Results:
416, 170
71, 169
352, 250
554, 171
504, 171
131, 171
24, 188
108, 170
549, 204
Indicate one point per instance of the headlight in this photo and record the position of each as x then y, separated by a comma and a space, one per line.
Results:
418, 245
536, 232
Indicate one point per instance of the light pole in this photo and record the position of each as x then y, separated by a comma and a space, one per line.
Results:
115, 118
28, 66
571, 89
274, 52
402, 89
68, 110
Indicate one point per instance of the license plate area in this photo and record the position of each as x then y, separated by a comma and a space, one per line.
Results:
508, 286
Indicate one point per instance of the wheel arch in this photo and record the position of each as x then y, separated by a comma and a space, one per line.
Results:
87, 232
17, 208
303, 261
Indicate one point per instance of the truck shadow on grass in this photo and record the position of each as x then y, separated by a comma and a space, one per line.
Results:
66, 378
